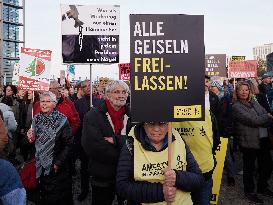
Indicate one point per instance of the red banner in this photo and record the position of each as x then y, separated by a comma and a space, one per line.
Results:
44, 54
26, 83
242, 69
124, 71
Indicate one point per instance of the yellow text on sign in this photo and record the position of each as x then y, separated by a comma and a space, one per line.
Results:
191, 111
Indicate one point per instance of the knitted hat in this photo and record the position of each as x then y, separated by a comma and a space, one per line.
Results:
217, 84
266, 75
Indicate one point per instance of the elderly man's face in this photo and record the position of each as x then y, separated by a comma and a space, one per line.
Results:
118, 96
215, 90
56, 89
71, 91
47, 105
267, 80
156, 131
64, 92
86, 88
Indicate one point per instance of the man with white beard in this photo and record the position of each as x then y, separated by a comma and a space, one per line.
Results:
104, 132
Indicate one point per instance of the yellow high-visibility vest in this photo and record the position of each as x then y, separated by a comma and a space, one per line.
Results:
199, 136
148, 166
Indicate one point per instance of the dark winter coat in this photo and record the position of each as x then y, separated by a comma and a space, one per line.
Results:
225, 117
265, 97
215, 119
247, 119
214, 104
103, 156
83, 105
147, 192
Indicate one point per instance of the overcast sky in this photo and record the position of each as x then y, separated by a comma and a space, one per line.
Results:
232, 27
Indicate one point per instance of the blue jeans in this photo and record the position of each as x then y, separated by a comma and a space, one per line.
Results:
202, 196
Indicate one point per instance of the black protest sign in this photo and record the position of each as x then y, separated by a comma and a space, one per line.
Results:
167, 67
215, 65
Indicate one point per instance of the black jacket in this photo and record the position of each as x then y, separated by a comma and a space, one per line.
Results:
83, 105
62, 148
147, 192
265, 97
215, 118
103, 156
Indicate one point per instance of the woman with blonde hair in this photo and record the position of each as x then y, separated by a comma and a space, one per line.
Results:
251, 121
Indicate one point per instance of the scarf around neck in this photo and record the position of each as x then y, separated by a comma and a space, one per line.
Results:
116, 117
46, 129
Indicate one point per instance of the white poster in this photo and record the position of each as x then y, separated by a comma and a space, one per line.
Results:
90, 34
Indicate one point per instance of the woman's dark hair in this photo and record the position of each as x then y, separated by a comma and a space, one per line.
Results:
14, 89
7, 100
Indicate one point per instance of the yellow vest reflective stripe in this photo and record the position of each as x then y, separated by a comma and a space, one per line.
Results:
148, 166
199, 136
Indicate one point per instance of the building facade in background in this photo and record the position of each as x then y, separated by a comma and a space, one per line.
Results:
12, 36
260, 52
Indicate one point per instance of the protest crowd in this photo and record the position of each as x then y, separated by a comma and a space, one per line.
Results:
122, 160
166, 136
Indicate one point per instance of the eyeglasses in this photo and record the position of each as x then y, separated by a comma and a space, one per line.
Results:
152, 124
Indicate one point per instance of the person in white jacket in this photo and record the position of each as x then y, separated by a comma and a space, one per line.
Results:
10, 124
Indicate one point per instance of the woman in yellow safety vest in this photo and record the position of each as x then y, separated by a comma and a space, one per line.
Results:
142, 173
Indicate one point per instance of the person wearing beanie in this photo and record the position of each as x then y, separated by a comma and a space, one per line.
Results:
225, 127
265, 97
217, 88
266, 76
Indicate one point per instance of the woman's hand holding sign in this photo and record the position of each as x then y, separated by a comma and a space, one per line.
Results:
30, 135
169, 188
170, 177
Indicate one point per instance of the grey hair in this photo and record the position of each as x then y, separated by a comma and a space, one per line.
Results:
114, 83
54, 82
82, 82
50, 94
